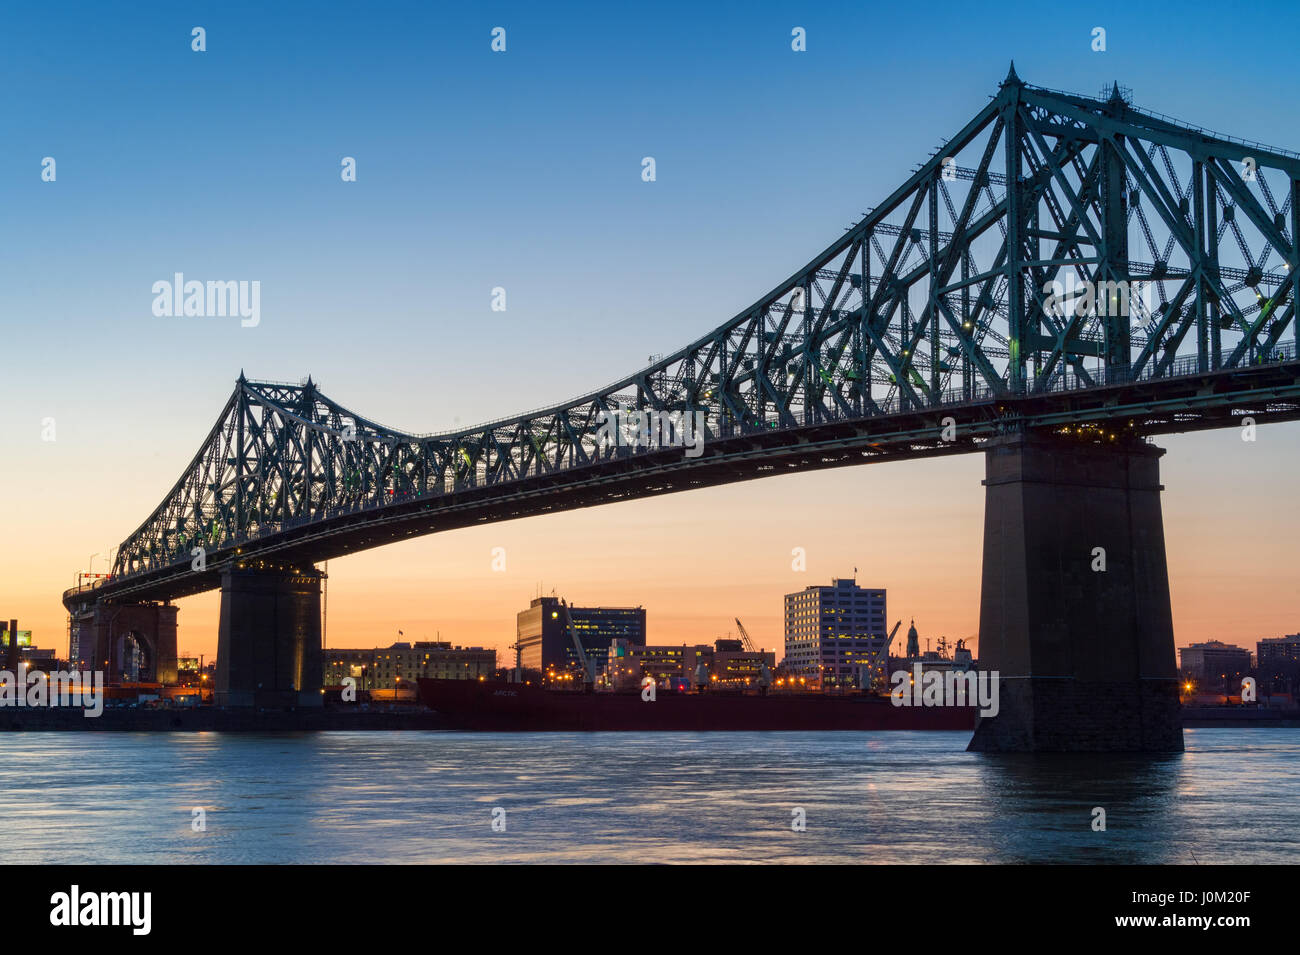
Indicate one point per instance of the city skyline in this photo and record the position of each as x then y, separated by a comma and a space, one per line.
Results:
359, 582
601, 269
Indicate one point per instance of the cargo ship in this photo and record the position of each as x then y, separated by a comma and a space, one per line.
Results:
521, 707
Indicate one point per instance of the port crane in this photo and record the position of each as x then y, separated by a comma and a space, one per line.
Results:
744, 635
764, 674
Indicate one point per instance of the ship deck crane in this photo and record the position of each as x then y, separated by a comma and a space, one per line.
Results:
587, 664
876, 662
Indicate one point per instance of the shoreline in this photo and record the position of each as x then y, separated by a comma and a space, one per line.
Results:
350, 718
218, 719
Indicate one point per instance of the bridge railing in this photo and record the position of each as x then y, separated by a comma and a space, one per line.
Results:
82, 588
1187, 365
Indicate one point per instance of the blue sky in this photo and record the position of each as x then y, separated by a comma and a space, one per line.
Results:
518, 170
476, 170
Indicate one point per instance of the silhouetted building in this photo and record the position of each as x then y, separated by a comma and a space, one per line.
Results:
544, 642
943, 658
1278, 663
913, 641
26, 652
833, 634
1215, 665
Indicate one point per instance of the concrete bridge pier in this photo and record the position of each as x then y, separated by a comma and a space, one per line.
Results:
269, 638
1074, 609
100, 633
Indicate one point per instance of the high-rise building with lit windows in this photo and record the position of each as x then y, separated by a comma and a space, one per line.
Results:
835, 635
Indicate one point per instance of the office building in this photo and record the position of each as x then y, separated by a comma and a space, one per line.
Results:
544, 642
835, 636
1277, 663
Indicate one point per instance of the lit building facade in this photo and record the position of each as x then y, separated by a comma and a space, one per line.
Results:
732, 665
835, 635
727, 664
386, 668
627, 663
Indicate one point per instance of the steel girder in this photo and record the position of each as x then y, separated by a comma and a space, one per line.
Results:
941, 301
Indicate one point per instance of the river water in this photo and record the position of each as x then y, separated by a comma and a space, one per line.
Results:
410, 797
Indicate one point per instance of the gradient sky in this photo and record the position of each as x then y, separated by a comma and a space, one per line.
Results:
522, 170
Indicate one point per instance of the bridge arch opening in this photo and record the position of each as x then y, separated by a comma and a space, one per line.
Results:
133, 657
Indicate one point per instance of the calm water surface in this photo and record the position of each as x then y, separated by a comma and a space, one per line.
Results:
638, 797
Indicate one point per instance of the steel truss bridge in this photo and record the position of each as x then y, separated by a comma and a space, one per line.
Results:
1063, 262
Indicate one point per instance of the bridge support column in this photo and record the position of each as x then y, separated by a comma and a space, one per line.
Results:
269, 641
98, 634
1085, 655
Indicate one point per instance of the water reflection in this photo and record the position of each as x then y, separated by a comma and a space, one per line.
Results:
621, 797
1045, 807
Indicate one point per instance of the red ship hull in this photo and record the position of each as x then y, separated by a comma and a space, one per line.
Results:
513, 707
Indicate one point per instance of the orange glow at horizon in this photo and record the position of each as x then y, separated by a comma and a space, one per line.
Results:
696, 560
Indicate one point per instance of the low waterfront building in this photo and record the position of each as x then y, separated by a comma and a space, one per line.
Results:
189, 671
628, 663
1214, 666
386, 668
725, 664
26, 652
734, 666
